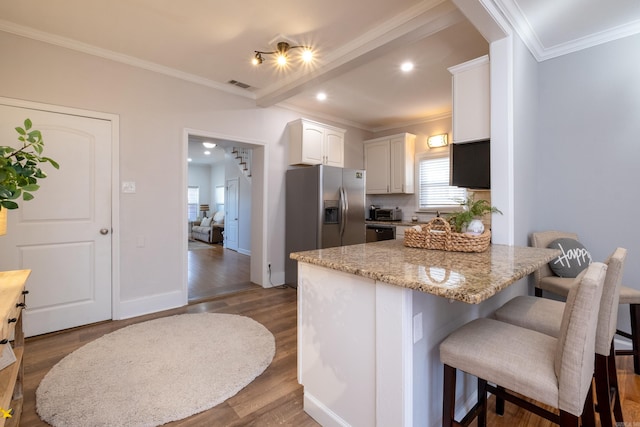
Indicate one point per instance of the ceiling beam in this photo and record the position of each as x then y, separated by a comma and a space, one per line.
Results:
428, 18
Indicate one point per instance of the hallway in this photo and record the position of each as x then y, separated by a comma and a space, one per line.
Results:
215, 271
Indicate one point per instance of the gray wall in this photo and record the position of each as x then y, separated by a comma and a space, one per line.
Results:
587, 150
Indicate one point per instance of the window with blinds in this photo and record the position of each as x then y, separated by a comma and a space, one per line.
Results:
193, 196
433, 184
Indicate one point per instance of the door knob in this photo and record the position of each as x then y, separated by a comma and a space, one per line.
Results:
104, 231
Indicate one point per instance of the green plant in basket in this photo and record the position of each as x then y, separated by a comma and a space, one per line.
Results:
471, 209
20, 167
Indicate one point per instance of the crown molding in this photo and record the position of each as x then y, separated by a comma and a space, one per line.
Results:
592, 40
342, 121
527, 33
68, 43
321, 116
406, 123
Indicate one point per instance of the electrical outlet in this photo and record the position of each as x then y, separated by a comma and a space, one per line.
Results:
417, 327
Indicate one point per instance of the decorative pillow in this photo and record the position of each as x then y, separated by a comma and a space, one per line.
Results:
206, 222
574, 258
218, 218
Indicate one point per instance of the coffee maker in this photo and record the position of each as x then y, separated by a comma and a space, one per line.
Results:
372, 212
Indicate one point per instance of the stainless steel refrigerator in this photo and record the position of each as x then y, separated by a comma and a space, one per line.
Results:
324, 209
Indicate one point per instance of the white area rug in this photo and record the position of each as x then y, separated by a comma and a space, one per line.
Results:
155, 372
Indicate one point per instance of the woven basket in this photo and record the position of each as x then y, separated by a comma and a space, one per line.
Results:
437, 234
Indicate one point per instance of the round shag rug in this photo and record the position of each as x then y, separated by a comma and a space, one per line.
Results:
155, 372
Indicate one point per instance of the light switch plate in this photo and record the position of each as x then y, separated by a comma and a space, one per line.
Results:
417, 327
128, 187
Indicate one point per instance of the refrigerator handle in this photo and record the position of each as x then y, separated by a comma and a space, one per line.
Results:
344, 208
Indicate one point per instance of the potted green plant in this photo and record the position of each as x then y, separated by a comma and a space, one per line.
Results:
471, 210
20, 168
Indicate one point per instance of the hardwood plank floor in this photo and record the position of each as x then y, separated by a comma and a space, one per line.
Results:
215, 271
275, 397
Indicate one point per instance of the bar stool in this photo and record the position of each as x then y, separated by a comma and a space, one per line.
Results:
553, 371
545, 315
545, 280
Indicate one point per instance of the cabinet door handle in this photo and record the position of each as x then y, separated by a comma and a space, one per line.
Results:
21, 304
4, 341
12, 320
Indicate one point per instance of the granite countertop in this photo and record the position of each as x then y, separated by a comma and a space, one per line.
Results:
466, 277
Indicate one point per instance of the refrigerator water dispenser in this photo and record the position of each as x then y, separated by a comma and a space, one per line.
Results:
331, 211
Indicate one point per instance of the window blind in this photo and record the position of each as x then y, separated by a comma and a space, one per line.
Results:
193, 196
434, 188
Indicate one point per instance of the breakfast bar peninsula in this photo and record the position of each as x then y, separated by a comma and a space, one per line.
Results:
371, 318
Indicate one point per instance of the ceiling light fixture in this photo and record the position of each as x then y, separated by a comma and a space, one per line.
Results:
282, 54
321, 96
208, 144
406, 66
435, 141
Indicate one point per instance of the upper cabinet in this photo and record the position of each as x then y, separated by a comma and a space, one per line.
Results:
389, 162
471, 100
313, 143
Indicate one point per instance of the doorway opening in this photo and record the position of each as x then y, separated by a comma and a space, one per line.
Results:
234, 195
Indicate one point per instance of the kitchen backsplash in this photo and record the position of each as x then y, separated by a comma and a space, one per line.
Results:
408, 204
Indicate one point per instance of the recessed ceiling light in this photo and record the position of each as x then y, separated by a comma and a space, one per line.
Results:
189, 159
208, 144
321, 96
207, 153
406, 66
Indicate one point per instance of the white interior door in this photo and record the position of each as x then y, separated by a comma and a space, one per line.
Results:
64, 234
231, 216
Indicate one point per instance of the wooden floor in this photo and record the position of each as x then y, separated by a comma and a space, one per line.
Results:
215, 271
274, 398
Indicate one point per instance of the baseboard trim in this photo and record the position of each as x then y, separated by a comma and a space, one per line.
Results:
323, 415
150, 304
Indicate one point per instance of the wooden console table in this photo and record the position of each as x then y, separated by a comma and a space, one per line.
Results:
11, 304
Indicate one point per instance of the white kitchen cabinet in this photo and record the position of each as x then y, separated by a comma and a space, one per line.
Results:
400, 229
313, 143
471, 100
389, 162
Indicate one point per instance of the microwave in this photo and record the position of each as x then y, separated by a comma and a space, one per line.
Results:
388, 214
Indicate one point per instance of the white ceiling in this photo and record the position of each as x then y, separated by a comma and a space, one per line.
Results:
359, 43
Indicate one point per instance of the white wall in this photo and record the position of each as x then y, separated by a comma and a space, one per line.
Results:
200, 176
525, 128
587, 150
154, 110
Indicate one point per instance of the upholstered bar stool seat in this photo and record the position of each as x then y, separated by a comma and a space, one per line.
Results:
545, 315
507, 358
545, 280
632, 297
496, 351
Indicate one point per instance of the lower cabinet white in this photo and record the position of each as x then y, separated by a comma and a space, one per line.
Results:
400, 232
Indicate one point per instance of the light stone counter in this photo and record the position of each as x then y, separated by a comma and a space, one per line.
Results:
466, 277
